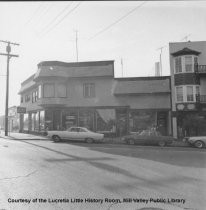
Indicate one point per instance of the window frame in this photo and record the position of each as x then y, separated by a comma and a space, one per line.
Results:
53, 86
183, 64
91, 90
176, 96
195, 92
57, 90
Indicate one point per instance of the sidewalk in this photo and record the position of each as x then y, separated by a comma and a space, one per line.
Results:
22, 136
117, 140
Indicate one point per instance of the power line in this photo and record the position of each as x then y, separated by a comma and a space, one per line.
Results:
34, 14
56, 17
66, 15
44, 12
118, 20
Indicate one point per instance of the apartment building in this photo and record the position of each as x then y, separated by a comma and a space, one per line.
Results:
60, 95
188, 88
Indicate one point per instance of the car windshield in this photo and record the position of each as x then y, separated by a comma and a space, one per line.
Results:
77, 129
150, 133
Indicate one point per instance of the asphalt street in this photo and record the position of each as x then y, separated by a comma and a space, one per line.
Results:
40, 174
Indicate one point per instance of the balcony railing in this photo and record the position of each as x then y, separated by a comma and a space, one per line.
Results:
201, 98
200, 68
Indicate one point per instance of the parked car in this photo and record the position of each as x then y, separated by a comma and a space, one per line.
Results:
197, 141
75, 133
148, 137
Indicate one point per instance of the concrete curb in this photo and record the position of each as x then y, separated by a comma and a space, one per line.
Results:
106, 140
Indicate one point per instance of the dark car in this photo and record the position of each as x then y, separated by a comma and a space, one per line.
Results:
148, 137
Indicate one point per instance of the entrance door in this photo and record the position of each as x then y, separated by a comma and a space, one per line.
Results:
122, 119
57, 120
162, 122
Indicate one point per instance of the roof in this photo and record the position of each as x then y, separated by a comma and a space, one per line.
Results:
27, 84
142, 86
186, 51
77, 69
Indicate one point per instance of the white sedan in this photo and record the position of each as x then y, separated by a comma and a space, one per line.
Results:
75, 133
197, 141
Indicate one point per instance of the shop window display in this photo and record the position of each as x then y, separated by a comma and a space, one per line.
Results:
26, 122
141, 120
41, 120
86, 119
69, 119
48, 120
105, 120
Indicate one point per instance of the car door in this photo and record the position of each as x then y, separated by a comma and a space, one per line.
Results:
72, 133
83, 134
142, 138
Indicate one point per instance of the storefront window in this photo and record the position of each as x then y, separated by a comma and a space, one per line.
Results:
141, 120
33, 121
41, 120
69, 119
86, 119
48, 120
26, 122
105, 120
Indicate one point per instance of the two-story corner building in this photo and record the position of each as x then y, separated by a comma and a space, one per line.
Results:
188, 86
61, 95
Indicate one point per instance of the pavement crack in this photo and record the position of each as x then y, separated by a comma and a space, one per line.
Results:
16, 177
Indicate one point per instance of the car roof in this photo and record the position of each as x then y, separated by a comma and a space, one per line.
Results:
77, 127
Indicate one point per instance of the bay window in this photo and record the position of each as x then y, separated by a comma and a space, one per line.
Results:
48, 90
179, 94
188, 64
190, 96
185, 64
178, 65
187, 93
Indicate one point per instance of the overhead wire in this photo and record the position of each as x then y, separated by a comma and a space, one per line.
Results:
34, 14
117, 21
66, 15
57, 16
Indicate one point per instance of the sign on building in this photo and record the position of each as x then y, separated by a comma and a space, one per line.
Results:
21, 109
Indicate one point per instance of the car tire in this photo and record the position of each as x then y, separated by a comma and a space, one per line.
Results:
131, 141
199, 144
56, 138
162, 143
89, 140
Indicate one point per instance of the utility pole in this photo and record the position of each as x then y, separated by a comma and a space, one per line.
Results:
9, 56
76, 44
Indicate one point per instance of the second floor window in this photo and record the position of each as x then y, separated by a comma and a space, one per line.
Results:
34, 96
48, 90
188, 93
190, 96
179, 94
27, 98
89, 90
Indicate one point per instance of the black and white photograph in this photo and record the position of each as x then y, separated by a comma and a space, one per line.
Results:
103, 105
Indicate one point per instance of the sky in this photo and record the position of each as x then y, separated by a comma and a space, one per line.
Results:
127, 31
